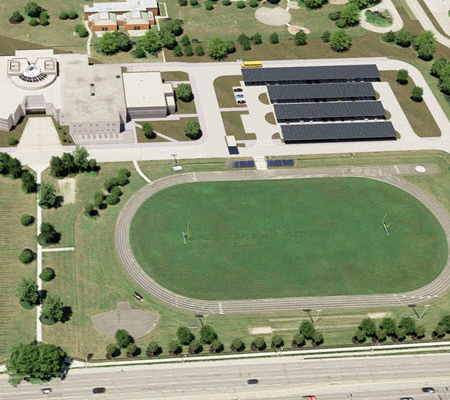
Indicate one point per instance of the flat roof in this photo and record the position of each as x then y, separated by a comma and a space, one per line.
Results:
123, 6
329, 110
321, 91
145, 89
279, 74
77, 76
338, 131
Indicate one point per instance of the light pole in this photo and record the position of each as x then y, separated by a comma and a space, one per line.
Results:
413, 306
308, 310
175, 158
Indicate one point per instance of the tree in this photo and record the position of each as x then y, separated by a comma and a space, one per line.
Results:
147, 128
400, 334
73, 14
360, 335
48, 234
216, 346
174, 26
209, 5
123, 338
240, 4
408, 324
33, 22
110, 183
192, 130
68, 163
340, 40
81, 30
53, 308
274, 39
334, 16
440, 330
425, 44
112, 199
131, 349
444, 85
195, 346
4, 162
56, 166
173, 347
402, 76
47, 274
244, 41
115, 191
350, 14
17, 16
184, 335
403, 38
32, 9
193, 3
307, 329
256, 38
298, 340
182, 3
253, 3
381, 334
184, 92
419, 331
300, 38
111, 350
445, 320
368, 325
153, 349
28, 182
185, 41
388, 324
199, 51
217, 48
88, 209
188, 52
389, 37
437, 66
139, 52
277, 341
26, 219
229, 45
122, 177
111, 43
26, 256
81, 158
98, 198
237, 344
43, 18
207, 334
417, 93
178, 51
37, 361
259, 343
317, 338
326, 36
314, 4
226, 3
14, 168
151, 42
27, 291
168, 39
64, 15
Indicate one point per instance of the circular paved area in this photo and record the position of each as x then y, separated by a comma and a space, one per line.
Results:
125, 253
273, 16
137, 322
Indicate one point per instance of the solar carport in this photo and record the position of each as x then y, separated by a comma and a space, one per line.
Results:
301, 75
322, 92
309, 112
356, 131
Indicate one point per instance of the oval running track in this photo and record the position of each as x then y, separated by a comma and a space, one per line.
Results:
126, 256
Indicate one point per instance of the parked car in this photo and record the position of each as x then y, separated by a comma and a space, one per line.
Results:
98, 390
239, 96
406, 398
252, 381
46, 391
241, 102
428, 390
310, 397
238, 89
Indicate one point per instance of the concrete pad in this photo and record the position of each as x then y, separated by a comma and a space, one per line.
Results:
137, 322
273, 16
67, 190
39, 134
261, 330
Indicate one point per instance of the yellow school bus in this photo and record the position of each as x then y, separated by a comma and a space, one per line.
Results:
252, 64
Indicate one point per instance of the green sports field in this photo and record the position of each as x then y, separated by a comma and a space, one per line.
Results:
307, 237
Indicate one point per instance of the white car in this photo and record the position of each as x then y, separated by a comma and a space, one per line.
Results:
46, 391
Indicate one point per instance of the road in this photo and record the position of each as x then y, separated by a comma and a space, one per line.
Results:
279, 378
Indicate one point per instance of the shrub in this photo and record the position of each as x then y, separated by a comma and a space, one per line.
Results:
237, 345
139, 52
300, 38
217, 48
124, 171
123, 338
64, 15
274, 39
111, 349
226, 2
73, 14
81, 30
244, 41
314, 4
230, 47
188, 52
184, 92
184, 335
334, 16
277, 341
192, 130
147, 128
16, 16
177, 51
185, 41
381, 334
437, 66
26, 256
417, 93
340, 40
341, 23
253, 3
195, 347
199, 51
110, 183
240, 4
257, 39
131, 349
26, 219
216, 346
425, 44
389, 37
33, 21
12, 141
182, 3
298, 340
173, 347
259, 343
326, 37
440, 330
419, 331
193, 2
209, 5
47, 274
317, 338
122, 179
153, 349
112, 199
403, 38
43, 18
32, 9
402, 76
115, 191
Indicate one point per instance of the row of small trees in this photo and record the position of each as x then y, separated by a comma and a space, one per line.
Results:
402, 78
72, 163
424, 44
441, 70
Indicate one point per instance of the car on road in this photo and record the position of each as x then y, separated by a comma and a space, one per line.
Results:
239, 96
237, 89
46, 391
310, 397
241, 102
428, 389
406, 398
98, 390
252, 381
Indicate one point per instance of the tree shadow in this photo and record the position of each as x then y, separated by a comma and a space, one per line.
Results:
67, 313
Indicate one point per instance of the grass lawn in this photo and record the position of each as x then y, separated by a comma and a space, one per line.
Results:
232, 122
270, 118
17, 325
263, 98
223, 85
169, 76
185, 107
418, 114
332, 242
173, 129
378, 18
144, 139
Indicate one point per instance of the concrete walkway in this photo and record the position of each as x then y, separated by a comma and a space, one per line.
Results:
385, 174
57, 249
39, 259
440, 10
397, 22
88, 44
139, 171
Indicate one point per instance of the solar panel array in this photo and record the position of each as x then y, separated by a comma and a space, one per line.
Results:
280, 163
241, 164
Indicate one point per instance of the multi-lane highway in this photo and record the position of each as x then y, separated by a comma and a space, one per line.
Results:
283, 378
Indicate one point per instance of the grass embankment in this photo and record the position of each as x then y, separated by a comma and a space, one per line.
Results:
17, 325
259, 245
232, 122
417, 113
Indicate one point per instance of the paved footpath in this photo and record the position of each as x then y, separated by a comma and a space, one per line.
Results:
388, 174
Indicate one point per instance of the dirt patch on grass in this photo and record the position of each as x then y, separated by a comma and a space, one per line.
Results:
293, 29
261, 330
67, 189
